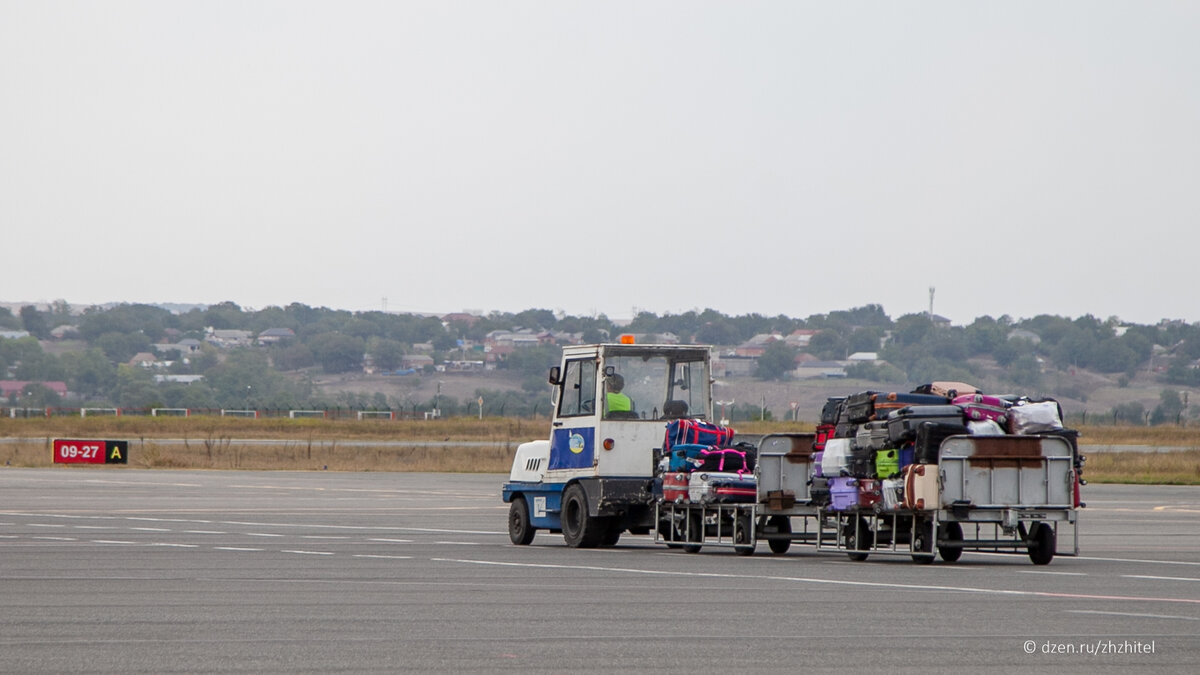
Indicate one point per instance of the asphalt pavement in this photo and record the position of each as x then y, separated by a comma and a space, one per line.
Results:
119, 570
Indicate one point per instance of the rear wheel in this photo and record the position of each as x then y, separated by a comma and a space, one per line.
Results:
694, 531
743, 538
779, 525
922, 542
951, 532
858, 538
1042, 543
579, 529
520, 532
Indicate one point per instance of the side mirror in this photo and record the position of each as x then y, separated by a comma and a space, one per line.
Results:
555, 375
610, 370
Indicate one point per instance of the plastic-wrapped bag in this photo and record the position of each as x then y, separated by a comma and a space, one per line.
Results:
1033, 418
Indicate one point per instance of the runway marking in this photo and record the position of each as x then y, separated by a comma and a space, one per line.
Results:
46, 525
386, 557
93, 527
811, 580
112, 541
393, 541
204, 532
310, 552
458, 543
1063, 574
235, 548
1085, 557
262, 534
56, 538
150, 529
1147, 616
1143, 576
158, 543
320, 536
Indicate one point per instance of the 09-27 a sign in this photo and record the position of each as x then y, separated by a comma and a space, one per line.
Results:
67, 451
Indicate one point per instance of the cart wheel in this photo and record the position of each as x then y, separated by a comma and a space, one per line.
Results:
520, 532
780, 525
743, 542
694, 532
951, 532
856, 539
1042, 543
922, 543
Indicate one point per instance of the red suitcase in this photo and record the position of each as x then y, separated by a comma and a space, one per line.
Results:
675, 487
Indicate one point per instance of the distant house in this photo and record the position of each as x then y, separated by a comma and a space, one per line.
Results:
184, 347
731, 365
869, 357
181, 379
14, 334
800, 338
415, 361
144, 359
228, 339
64, 332
811, 369
272, 336
11, 387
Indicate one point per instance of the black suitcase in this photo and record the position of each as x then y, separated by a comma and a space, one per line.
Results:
818, 492
833, 406
862, 463
903, 423
860, 407
929, 438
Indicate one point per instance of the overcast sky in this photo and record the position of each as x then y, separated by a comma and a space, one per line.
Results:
789, 158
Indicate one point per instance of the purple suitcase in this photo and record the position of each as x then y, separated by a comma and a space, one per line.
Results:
977, 407
843, 493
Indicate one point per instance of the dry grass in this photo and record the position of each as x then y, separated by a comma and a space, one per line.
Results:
324, 444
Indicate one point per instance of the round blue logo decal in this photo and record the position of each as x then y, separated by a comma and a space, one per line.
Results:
575, 443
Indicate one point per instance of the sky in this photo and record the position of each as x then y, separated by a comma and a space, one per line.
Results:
795, 158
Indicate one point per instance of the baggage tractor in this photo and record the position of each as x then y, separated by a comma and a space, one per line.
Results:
675, 487
870, 494
929, 438
873, 435
836, 458
843, 493
883, 404
903, 423
892, 491
977, 407
887, 462
713, 486
818, 492
921, 487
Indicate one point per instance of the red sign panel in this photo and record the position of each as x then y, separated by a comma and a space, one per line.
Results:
68, 451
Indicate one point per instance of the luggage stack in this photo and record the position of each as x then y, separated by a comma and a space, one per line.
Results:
701, 465
883, 444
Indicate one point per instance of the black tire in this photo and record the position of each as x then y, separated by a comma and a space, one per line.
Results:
922, 543
780, 525
613, 533
743, 541
520, 531
1042, 543
694, 531
579, 529
856, 533
951, 532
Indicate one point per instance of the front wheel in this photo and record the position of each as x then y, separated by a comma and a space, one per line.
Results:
743, 538
780, 525
520, 531
857, 538
1042, 543
922, 542
952, 532
579, 529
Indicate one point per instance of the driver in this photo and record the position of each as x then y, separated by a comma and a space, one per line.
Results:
614, 398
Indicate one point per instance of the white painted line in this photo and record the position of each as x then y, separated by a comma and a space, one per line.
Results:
1147, 616
1144, 576
1061, 574
175, 545
93, 527
150, 529
111, 541
310, 552
393, 541
262, 534
318, 536
834, 582
204, 532
385, 557
9, 536
235, 548
46, 525
458, 543
56, 538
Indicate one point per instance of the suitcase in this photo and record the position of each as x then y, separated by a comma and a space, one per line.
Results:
1035, 417
903, 423
977, 407
734, 494
829, 413
921, 487
697, 432
873, 435
843, 493
824, 433
859, 407
887, 462
892, 491
929, 438
687, 456
725, 459
816, 464
711, 486
818, 492
870, 494
862, 463
675, 487
947, 389
886, 403
836, 457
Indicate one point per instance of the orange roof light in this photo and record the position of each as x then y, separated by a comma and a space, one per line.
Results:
627, 339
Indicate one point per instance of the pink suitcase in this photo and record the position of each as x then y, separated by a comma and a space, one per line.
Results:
977, 407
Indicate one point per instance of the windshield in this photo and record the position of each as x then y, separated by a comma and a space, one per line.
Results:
653, 386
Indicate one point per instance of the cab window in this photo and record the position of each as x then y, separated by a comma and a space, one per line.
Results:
578, 389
